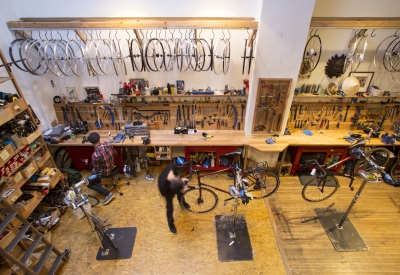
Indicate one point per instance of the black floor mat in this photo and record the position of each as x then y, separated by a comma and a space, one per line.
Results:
124, 239
344, 239
237, 249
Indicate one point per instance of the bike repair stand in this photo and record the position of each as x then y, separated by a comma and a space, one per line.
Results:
340, 230
233, 238
148, 174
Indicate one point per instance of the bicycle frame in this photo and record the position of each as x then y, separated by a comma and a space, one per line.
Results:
228, 169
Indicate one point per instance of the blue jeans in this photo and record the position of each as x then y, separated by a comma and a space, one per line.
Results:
97, 187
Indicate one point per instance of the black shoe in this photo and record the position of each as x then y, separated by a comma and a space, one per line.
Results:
186, 205
172, 228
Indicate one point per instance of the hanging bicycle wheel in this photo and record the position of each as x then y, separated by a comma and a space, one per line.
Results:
34, 52
218, 57
91, 54
13, 49
105, 57
312, 54
201, 200
395, 58
380, 156
205, 55
120, 57
136, 55
317, 190
261, 182
379, 55
182, 55
170, 55
388, 55
359, 53
61, 57
76, 57
154, 55
227, 56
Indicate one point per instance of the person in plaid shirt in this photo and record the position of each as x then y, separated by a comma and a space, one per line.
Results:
102, 163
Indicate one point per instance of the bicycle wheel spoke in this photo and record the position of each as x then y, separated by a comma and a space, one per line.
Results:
201, 200
261, 182
316, 190
312, 54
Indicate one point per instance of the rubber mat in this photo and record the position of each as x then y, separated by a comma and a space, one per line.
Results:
233, 249
125, 241
345, 239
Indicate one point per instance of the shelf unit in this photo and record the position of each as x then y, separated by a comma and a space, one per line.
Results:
19, 173
216, 151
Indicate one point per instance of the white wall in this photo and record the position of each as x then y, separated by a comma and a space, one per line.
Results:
40, 89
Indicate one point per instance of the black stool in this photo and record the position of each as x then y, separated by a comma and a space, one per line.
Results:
115, 178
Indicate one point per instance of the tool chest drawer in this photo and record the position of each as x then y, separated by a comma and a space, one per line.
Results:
323, 154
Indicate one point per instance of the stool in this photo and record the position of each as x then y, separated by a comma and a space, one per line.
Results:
115, 178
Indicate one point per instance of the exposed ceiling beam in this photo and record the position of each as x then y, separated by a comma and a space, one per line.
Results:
134, 23
355, 23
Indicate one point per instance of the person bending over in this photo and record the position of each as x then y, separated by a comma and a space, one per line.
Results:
102, 163
171, 184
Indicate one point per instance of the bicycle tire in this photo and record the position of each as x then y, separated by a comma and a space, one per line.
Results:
93, 200
312, 49
379, 155
197, 197
312, 193
101, 231
12, 52
62, 158
395, 171
261, 183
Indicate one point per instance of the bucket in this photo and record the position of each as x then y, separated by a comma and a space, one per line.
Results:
78, 213
88, 208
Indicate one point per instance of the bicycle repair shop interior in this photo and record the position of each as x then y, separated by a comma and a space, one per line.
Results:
284, 80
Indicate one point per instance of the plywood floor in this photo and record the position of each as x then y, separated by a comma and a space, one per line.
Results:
282, 245
157, 251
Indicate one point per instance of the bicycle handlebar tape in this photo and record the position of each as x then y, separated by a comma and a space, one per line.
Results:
389, 180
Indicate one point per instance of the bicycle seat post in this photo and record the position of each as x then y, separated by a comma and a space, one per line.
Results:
232, 234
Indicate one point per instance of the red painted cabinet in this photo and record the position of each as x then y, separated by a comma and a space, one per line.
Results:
197, 153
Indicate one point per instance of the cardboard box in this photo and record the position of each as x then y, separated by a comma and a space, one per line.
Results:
28, 169
5, 241
6, 154
5, 115
43, 160
55, 178
29, 139
18, 106
27, 207
10, 194
15, 180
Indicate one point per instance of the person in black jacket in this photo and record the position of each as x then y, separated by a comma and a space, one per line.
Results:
171, 184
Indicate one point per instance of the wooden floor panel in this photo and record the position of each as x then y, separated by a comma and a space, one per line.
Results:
301, 248
157, 251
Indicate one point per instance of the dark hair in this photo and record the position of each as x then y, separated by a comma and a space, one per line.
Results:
176, 185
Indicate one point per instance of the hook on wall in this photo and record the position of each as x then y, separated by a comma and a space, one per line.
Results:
373, 33
59, 35
129, 35
395, 34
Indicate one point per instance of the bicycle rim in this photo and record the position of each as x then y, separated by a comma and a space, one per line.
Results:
380, 53
136, 55
93, 200
380, 156
76, 57
218, 57
201, 200
312, 53
313, 191
395, 172
13, 49
261, 183
227, 56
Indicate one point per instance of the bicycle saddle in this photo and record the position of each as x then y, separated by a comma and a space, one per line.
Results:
358, 143
236, 153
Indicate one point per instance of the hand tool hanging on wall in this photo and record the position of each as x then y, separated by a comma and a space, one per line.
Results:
64, 114
272, 122
345, 115
183, 114
243, 106
111, 114
97, 122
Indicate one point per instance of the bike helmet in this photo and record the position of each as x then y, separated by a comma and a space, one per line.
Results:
180, 160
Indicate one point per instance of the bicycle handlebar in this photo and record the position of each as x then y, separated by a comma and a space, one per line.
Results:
319, 166
385, 176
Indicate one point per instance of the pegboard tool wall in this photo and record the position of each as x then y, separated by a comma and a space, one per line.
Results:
221, 113
271, 104
341, 114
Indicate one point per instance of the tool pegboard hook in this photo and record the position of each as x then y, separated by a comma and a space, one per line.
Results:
45, 34
229, 38
373, 33
129, 35
59, 35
